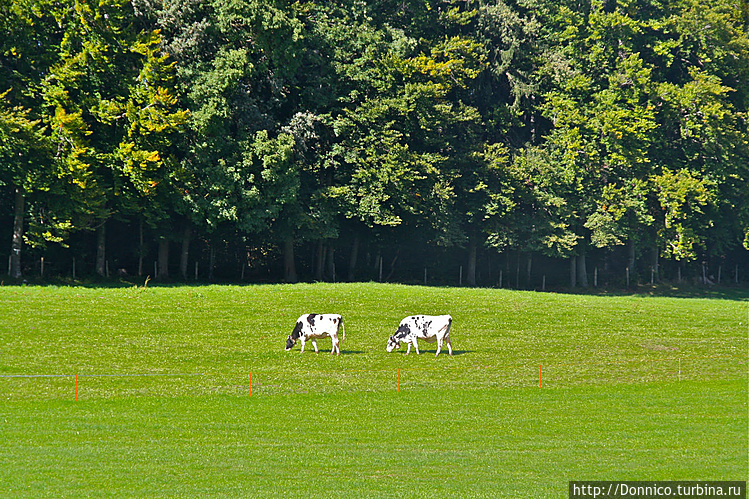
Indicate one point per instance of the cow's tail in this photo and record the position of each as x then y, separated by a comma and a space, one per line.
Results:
343, 332
449, 325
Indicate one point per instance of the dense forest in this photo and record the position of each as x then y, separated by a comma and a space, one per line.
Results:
517, 143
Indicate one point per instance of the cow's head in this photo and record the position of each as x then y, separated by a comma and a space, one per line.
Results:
400, 335
393, 343
295, 334
290, 342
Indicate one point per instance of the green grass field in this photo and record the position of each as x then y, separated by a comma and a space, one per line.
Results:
634, 388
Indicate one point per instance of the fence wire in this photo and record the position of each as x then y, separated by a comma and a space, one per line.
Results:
277, 382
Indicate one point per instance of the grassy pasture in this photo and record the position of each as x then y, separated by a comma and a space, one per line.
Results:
633, 388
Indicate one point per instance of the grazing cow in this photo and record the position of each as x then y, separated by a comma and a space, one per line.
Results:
313, 326
427, 327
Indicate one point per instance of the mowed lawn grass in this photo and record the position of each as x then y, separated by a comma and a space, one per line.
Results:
633, 388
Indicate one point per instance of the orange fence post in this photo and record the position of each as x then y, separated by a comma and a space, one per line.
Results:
399, 379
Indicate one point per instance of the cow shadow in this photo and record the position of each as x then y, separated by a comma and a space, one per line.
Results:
443, 351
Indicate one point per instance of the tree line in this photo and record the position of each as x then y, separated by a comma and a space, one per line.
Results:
375, 139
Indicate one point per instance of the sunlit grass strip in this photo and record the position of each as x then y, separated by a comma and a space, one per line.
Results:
507, 442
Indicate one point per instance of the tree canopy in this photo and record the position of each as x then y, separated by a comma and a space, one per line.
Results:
291, 139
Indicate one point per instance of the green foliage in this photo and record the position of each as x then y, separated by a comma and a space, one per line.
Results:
112, 113
621, 213
683, 198
536, 126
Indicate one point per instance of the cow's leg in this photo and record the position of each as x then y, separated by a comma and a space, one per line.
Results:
335, 346
409, 348
314, 344
302, 340
449, 346
416, 346
439, 346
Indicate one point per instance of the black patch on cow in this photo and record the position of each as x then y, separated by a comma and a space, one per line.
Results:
297, 332
426, 327
403, 331
311, 319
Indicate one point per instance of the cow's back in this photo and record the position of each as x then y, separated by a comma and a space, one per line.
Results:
426, 326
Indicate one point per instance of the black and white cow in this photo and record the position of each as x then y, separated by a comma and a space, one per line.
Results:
313, 326
430, 328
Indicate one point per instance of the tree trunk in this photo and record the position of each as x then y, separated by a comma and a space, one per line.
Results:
392, 264
471, 267
101, 248
211, 261
141, 248
163, 259
289, 264
185, 254
353, 258
331, 264
632, 261
582, 270
320, 260
17, 243
573, 271
528, 271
